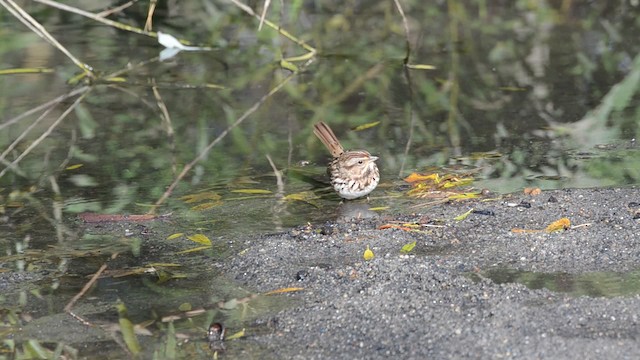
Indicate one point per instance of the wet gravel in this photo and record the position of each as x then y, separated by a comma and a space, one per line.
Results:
437, 302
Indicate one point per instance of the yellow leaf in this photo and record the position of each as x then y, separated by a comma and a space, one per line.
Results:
562, 224
463, 216
512, 88
251, 191
200, 239
407, 248
368, 254
421, 67
175, 236
463, 196
457, 182
305, 196
126, 328
366, 126
163, 265
237, 335
73, 167
415, 177
378, 208
207, 195
283, 290
199, 248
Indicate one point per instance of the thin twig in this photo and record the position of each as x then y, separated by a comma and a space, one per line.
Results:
264, 13
284, 33
116, 9
95, 17
44, 135
87, 286
50, 103
168, 124
37, 28
148, 25
406, 29
278, 175
22, 135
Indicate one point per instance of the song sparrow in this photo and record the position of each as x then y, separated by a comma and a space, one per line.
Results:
354, 172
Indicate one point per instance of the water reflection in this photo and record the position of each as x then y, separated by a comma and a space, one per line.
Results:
537, 95
595, 284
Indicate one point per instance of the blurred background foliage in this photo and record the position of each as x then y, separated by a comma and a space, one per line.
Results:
511, 79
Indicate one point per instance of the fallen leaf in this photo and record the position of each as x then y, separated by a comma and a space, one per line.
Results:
562, 224
408, 247
463, 216
368, 254
283, 290
251, 191
532, 191
200, 239
366, 126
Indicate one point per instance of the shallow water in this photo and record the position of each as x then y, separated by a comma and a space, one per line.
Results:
521, 95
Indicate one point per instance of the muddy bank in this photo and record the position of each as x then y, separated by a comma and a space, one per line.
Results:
438, 301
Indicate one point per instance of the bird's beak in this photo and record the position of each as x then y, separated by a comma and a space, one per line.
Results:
373, 158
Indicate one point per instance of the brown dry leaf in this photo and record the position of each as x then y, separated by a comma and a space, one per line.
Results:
532, 191
562, 224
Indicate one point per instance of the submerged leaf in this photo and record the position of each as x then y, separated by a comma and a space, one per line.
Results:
207, 195
126, 328
200, 239
199, 248
305, 196
74, 166
237, 335
252, 191
36, 350
206, 206
463, 216
463, 196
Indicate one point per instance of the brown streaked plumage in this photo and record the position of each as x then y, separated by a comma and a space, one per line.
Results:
354, 173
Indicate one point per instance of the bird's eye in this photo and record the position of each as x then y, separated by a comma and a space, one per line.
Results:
360, 162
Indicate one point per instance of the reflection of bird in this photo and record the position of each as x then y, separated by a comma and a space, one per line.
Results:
215, 335
354, 173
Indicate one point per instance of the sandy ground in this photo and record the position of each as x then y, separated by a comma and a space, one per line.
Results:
437, 302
